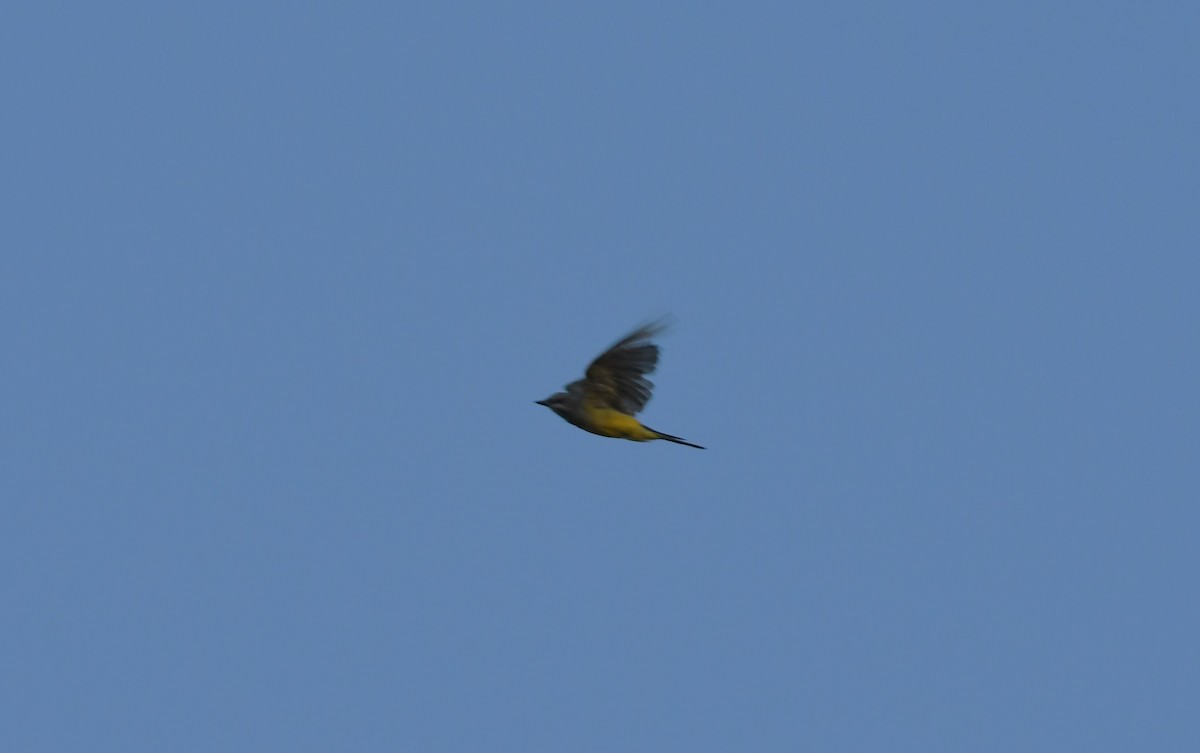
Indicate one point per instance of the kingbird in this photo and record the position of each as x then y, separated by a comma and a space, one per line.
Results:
614, 389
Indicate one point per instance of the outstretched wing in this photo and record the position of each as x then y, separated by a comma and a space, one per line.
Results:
617, 379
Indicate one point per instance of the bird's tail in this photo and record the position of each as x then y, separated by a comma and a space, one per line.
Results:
674, 439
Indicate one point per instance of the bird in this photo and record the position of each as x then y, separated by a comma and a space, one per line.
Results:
614, 389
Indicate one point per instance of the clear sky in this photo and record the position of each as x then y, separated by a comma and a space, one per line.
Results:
280, 283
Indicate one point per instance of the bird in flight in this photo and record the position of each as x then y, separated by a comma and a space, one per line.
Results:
614, 390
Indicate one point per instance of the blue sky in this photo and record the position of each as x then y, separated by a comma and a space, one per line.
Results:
281, 282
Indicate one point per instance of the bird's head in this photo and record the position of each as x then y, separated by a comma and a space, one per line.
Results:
558, 402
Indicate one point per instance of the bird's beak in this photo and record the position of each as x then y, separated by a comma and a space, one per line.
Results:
539, 402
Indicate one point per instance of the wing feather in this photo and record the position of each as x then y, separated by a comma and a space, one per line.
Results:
617, 378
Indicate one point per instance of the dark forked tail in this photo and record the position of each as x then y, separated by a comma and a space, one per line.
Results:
676, 440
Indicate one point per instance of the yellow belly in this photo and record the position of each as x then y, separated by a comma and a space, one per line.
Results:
610, 423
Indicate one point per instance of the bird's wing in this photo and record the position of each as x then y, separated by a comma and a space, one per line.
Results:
617, 378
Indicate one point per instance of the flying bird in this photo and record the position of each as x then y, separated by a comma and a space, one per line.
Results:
614, 390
